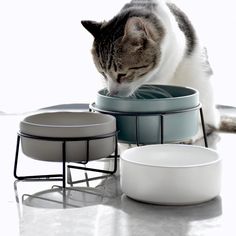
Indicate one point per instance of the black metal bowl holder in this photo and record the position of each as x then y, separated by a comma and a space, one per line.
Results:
64, 140
154, 113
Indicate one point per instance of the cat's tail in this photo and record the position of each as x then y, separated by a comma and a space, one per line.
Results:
227, 118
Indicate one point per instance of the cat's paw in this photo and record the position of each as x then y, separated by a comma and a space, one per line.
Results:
199, 135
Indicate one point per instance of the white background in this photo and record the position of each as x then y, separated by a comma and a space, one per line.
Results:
45, 54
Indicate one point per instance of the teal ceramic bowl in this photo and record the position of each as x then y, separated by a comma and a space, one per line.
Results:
139, 117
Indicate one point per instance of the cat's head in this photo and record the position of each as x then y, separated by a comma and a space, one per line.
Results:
125, 52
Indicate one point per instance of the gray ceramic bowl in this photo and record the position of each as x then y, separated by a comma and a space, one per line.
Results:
149, 99
67, 125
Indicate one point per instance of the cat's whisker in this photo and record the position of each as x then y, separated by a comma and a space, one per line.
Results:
133, 95
107, 93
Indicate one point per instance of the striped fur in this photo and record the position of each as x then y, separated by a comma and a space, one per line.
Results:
152, 42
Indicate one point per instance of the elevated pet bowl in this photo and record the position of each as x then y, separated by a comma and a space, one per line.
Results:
45, 128
170, 174
139, 116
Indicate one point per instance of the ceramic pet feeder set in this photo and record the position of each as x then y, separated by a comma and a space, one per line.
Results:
157, 170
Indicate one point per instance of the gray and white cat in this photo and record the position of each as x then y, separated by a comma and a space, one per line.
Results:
152, 42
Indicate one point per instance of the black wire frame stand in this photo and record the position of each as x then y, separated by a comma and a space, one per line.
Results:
64, 140
162, 115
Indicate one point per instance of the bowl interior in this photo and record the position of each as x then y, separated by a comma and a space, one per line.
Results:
154, 92
171, 155
65, 119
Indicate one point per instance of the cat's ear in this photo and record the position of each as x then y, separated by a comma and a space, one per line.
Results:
135, 31
92, 26
135, 27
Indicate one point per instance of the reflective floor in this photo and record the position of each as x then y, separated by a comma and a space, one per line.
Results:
99, 207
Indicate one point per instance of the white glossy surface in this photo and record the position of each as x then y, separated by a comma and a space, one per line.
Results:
171, 174
67, 124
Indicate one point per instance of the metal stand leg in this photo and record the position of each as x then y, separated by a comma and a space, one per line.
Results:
97, 170
162, 129
16, 158
54, 177
110, 172
137, 130
63, 164
203, 127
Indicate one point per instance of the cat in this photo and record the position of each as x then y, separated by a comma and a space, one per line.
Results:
153, 42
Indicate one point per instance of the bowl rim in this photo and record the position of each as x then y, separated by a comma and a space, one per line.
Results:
195, 93
219, 158
90, 129
24, 121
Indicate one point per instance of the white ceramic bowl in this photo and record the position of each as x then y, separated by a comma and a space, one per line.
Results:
67, 125
170, 174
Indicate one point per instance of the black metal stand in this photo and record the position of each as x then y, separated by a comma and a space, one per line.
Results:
162, 117
62, 176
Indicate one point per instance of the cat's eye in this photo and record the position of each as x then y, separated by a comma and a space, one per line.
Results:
119, 77
138, 67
